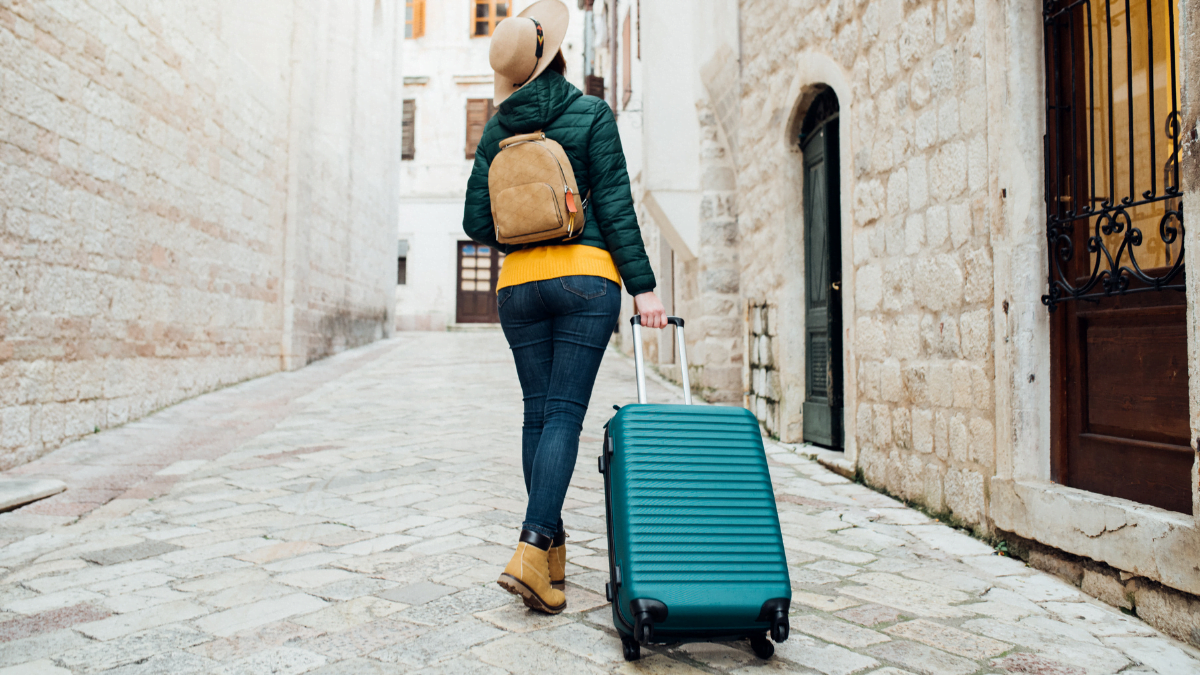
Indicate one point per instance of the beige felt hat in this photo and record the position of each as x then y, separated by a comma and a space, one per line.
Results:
516, 45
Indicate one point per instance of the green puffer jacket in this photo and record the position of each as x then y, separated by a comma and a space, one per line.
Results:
587, 131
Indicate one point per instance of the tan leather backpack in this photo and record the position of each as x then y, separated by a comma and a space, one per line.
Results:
533, 190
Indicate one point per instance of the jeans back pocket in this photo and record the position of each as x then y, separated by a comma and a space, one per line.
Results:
502, 296
585, 287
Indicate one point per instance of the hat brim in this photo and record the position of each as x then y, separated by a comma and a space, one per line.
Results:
554, 17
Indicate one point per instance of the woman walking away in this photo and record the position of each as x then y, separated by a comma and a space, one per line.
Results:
558, 299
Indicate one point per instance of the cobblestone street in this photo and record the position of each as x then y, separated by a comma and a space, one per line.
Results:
353, 517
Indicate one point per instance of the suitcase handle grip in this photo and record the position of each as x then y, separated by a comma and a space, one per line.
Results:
639, 362
636, 320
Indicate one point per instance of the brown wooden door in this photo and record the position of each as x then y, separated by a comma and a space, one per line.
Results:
1119, 382
478, 270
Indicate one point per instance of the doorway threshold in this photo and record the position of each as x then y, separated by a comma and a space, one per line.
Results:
834, 460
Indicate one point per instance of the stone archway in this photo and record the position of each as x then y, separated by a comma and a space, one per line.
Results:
771, 199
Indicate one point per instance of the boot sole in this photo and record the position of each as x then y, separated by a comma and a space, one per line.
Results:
532, 600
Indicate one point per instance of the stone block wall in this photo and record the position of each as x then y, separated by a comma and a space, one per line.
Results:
762, 394
918, 264
718, 316
191, 194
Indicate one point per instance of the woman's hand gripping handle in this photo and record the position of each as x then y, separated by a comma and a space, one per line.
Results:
654, 315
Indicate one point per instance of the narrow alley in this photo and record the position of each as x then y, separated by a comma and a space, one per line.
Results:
352, 518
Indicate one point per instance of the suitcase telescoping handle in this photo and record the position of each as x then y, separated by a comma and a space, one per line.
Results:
639, 362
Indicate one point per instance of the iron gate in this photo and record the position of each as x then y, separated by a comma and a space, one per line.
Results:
1115, 217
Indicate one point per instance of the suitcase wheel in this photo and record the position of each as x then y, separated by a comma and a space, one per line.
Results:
645, 631
646, 613
762, 646
633, 651
780, 630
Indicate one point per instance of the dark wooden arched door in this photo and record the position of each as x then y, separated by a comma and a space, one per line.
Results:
823, 274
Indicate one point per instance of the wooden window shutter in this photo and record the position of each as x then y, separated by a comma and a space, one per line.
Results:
627, 63
593, 85
408, 129
478, 110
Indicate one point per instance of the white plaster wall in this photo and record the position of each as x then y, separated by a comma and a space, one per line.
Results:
427, 302
671, 130
433, 183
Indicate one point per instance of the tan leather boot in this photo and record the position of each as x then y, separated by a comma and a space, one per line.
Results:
528, 575
558, 562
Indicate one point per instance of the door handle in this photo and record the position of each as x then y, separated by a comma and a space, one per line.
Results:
837, 286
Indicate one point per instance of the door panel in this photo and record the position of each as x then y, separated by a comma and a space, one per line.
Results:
822, 258
1137, 377
478, 271
1124, 426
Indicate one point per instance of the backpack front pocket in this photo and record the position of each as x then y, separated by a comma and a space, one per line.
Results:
528, 212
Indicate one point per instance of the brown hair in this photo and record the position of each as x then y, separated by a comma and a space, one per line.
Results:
559, 64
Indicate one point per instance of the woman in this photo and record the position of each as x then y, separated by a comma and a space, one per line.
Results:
558, 303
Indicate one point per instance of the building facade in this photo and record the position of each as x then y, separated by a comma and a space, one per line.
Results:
191, 195
444, 278
944, 241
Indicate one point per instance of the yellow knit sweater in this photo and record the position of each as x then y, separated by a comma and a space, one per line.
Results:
552, 262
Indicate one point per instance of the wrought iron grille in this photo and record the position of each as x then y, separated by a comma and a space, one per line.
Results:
1115, 216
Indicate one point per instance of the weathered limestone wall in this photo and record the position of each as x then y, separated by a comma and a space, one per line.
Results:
917, 268
191, 194
716, 336
1189, 49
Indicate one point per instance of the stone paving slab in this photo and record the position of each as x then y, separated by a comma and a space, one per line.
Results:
352, 518
19, 491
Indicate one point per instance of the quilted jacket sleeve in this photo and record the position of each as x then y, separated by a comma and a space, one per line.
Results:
612, 203
477, 212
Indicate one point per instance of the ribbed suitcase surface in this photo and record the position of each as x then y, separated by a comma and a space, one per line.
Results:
693, 522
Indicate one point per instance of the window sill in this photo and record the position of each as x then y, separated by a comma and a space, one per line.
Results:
1138, 539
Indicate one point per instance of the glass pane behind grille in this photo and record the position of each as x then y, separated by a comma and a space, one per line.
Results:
1113, 145
1148, 55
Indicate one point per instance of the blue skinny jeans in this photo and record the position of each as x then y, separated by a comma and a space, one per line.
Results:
557, 330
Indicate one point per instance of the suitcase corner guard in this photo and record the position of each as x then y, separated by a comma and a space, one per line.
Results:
646, 612
775, 610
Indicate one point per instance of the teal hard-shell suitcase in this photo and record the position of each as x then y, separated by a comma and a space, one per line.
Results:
695, 549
